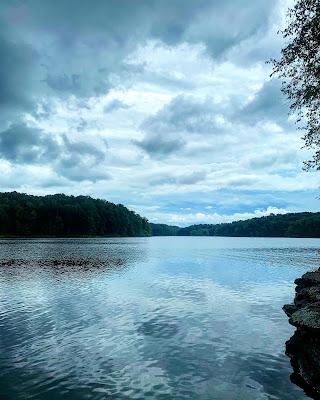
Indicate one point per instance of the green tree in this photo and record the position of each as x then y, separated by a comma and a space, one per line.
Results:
61, 215
299, 70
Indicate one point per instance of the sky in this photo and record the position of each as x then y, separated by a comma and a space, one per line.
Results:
164, 106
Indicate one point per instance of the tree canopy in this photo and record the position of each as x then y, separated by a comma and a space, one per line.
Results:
299, 70
305, 224
164, 230
61, 215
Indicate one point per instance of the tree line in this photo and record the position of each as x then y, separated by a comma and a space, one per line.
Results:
305, 224
164, 229
61, 215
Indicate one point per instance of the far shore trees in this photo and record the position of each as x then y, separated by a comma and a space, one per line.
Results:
60, 215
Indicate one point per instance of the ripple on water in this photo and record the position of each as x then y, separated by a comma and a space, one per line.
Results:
158, 318
159, 327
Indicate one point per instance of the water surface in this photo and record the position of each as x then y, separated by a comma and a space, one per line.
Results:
138, 318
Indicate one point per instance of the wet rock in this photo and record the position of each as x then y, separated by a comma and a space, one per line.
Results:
289, 309
314, 293
308, 279
304, 351
304, 346
307, 317
302, 297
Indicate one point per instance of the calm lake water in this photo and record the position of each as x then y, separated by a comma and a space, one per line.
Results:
157, 318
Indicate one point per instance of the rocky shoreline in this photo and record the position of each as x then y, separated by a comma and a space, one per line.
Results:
303, 348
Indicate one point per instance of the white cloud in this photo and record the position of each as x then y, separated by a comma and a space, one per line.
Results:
184, 219
183, 113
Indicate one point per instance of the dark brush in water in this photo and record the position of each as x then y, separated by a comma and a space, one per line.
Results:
63, 264
303, 347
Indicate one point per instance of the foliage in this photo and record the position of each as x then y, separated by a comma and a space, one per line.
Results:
61, 215
164, 230
299, 69
286, 225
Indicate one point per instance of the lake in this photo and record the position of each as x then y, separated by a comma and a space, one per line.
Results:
148, 318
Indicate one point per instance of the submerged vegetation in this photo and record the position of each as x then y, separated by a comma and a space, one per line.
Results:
61, 215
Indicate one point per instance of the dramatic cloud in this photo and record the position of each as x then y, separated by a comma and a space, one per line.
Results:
184, 115
166, 106
267, 104
21, 144
17, 89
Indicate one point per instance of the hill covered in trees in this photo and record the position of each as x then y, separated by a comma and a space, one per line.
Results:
61, 215
305, 224
164, 230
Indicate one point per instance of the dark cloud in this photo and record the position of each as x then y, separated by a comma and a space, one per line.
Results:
81, 46
80, 161
17, 89
267, 104
21, 144
189, 115
83, 149
184, 114
219, 24
59, 48
227, 24
53, 51
64, 83
158, 145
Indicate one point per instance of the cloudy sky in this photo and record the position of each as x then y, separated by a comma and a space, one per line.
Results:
165, 106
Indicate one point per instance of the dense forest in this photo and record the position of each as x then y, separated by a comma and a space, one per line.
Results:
164, 230
61, 215
304, 224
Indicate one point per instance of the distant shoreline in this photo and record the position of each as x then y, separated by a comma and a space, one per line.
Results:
155, 236
62, 216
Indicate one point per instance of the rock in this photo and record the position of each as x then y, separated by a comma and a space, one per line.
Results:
302, 297
314, 293
304, 352
308, 279
307, 317
304, 346
289, 309
307, 295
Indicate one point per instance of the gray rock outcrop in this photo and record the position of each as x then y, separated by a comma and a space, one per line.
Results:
303, 348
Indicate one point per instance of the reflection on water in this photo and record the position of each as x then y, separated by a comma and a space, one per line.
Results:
160, 318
